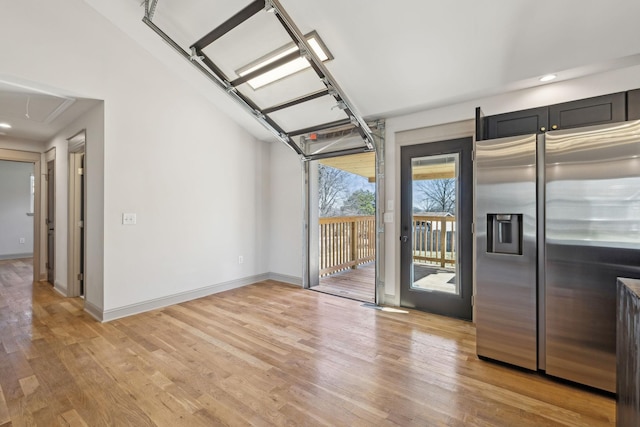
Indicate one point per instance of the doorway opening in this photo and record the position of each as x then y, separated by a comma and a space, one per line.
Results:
76, 217
343, 226
27, 212
436, 216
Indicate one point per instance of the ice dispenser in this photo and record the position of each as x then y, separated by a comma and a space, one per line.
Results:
504, 233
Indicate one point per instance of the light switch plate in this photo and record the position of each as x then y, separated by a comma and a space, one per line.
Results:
128, 218
388, 217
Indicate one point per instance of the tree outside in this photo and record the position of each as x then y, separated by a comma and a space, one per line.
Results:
341, 193
360, 202
437, 195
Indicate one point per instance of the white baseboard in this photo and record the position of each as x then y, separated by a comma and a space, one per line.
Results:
93, 311
16, 256
60, 288
128, 310
293, 280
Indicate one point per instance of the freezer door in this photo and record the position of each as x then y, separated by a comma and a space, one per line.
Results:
506, 250
592, 237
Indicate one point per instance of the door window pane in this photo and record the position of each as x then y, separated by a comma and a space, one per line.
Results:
434, 223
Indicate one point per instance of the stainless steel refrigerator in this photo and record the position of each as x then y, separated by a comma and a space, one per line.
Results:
557, 220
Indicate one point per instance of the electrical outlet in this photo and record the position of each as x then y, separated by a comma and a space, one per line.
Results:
128, 218
22, 240
240, 259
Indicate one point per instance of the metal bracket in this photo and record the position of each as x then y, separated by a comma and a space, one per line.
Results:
194, 55
150, 8
269, 6
341, 105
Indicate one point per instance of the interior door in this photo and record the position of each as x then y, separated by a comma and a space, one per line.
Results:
82, 228
51, 221
436, 217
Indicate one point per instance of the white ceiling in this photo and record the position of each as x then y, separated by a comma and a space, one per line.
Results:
394, 58
404, 56
36, 114
391, 58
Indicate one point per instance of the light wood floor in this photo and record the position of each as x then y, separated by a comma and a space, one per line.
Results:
265, 354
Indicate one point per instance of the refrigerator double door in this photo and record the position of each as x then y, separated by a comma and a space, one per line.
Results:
505, 227
592, 226
588, 195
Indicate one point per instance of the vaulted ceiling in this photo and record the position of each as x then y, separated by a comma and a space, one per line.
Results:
393, 58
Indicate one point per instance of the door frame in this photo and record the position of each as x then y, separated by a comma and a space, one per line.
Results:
310, 263
450, 305
76, 203
50, 197
36, 159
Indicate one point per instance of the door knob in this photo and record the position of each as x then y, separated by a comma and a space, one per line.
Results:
404, 239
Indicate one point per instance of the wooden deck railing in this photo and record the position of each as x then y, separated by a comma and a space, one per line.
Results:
346, 242
434, 239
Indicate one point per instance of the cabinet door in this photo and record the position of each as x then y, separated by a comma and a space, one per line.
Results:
517, 123
633, 104
480, 125
587, 112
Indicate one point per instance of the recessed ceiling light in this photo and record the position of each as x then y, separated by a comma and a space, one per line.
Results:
548, 78
287, 69
5, 125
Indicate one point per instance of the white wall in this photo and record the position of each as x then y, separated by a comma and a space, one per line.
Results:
285, 250
15, 201
195, 179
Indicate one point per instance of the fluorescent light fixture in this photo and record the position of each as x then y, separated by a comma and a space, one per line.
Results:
5, 125
548, 77
287, 69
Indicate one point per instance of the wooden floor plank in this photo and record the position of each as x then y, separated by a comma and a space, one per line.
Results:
265, 354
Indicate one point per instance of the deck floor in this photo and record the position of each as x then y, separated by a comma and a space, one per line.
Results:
358, 284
